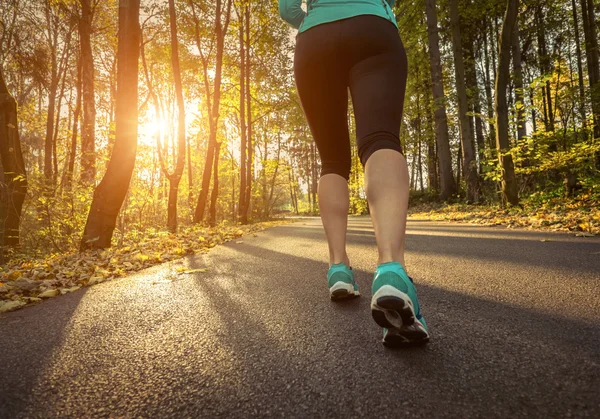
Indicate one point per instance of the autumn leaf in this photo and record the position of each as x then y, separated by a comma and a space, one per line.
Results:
6, 306
192, 271
61, 274
49, 293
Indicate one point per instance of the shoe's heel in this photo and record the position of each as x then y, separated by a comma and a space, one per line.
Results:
342, 291
391, 308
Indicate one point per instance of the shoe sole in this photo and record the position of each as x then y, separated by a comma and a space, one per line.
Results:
342, 291
391, 308
405, 337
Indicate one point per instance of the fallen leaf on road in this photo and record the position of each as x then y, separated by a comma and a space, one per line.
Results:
66, 290
191, 271
48, 294
585, 235
95, 280
10, 305
161, 281
239, 242
33, 299
545, 240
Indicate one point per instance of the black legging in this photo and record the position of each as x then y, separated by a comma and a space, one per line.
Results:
365, 54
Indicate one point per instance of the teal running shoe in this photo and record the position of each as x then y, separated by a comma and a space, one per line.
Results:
395, 307
341, 282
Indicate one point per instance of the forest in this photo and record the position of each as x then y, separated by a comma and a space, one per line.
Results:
129, 117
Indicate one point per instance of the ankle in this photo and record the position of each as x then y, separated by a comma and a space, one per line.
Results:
345, 261
383, 261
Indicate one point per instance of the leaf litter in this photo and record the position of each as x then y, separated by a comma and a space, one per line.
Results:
26, 281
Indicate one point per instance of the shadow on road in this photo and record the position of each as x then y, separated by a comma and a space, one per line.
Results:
581, 258
28, 353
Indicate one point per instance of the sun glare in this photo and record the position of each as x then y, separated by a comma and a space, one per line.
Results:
151, 128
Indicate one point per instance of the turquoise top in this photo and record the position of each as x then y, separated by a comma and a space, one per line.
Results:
325, 11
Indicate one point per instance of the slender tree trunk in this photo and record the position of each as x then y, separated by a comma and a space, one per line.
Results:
175, 177
459, 164
110, 193
488, 90
243, 210
56, 128
579, 69
509, 182
233, 212
76, 116
190, 178
468, 150
447, 184
215, 190
545, 66
88, 127
518, 80
475, 100
220, 32
432, 169
250, 147
593, 59
13, 178
48, 143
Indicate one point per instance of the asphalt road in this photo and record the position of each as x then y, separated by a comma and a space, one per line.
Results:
515, 324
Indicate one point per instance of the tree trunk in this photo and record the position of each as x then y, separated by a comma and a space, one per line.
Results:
242, 209
110, 193
61, 95
270, 200
13, 177
579, 69
593, 60
509, 182
475, 100
220, 32
76, 116
250, 147
48, 143
447, 183
518, 80
215, 190
175, 177
545, 66
468, 149
88, 126
488, 91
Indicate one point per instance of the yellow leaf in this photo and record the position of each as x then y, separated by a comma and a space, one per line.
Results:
10, 305
584, 226
15, 275
48, 294
33, 299
75, 288
191, 271
95, 280
141, 257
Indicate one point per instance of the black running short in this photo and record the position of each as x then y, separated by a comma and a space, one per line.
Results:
363, 54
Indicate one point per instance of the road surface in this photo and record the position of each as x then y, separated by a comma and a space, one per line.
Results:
515, 324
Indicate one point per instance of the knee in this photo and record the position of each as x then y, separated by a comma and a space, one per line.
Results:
341, 168
377, 141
